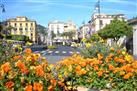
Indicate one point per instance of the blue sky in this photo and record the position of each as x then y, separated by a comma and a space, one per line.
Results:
44, 11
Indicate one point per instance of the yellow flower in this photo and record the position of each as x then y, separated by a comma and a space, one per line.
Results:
123, 52
129, 58
88, 45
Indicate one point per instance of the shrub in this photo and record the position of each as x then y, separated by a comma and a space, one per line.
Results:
52, 47
116, 71
27, 72
6, 51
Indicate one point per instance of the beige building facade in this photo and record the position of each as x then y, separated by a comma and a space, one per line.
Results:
23, 26
100, 21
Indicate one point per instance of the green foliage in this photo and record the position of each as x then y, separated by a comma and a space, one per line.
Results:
6, 52
69, 34
96, 48
19, 37
53, 34
95, 38
115, 30
52, 47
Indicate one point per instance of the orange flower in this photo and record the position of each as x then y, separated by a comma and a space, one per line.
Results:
61, 83
39, 71
111, 67
9, 84
53, 82
78, 68
83, 72
50, 88
100, 73
110, 79
83, 64
6, 67
28, 51
100, 56
20, 64
128, 75
95, 67
112, 49
37, 86
17, 57
28, 88
122, 73
25, 70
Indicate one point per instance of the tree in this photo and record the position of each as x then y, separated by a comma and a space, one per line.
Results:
53, 35
69, 34
43, 31
115, 30
95, 38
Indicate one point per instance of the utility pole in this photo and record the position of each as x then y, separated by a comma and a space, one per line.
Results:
97, 7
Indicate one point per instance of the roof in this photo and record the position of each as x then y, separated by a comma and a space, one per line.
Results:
132, 21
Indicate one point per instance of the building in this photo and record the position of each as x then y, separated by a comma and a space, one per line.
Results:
133, 23
99, 21
23, 26
58, 28
85, 31
71, 27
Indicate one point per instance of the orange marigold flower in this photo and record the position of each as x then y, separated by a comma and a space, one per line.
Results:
111, 67
9, 84
95, 67
128, 75
25, 70
61, 83
39, 71
100, 56
78, 68
28, 88
112, 49
6, 67
100, 73
37, 86
53, 82
20, 64
83, 64
17, 57
50, 88
122, 73
28, 50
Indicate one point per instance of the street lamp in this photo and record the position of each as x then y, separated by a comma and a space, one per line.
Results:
97, 8
3, 8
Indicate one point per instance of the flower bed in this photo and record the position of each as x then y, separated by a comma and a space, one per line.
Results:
30, 72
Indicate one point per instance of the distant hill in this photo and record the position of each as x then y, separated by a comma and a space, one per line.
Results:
41, 29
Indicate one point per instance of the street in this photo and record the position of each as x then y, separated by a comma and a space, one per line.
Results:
54, 55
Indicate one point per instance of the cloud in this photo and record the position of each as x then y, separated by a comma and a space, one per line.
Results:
129, 2
69, 5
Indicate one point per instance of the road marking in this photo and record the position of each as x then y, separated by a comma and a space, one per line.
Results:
78, 52
50, 51
70, 52
56, 51
64, 52
43, 51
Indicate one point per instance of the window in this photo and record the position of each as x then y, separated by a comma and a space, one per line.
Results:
26, 29
101, 22
31, 24
26, 24
20, 29
20, 24
15, 24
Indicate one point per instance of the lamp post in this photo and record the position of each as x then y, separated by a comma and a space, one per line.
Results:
3, 8
97, 7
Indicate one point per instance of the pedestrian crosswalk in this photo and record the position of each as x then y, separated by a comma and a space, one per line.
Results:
59, 52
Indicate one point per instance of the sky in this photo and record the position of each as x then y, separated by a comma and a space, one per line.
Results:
79, 11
